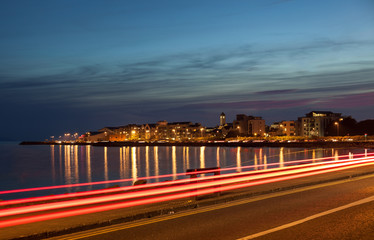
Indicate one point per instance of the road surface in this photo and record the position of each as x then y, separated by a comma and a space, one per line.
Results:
336, 210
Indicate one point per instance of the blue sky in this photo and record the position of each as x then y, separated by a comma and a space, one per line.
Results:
82, 65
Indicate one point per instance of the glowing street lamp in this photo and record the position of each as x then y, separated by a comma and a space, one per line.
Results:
238, 129
337, 128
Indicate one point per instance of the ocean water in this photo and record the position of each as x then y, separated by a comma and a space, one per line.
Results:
24, 166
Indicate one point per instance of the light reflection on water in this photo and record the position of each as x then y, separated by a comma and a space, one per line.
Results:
69, 164
174, 162
88, 162
238, 159
136, 162
281, 157
202, 157
53, 169
134, 168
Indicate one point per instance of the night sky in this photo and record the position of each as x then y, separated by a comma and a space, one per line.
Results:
80, 65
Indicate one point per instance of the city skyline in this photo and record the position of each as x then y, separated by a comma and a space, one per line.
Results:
81, 65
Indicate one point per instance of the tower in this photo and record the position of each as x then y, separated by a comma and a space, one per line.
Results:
222, 119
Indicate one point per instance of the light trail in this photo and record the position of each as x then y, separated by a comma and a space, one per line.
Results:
69, 213
173, 189
161, 184
165, 176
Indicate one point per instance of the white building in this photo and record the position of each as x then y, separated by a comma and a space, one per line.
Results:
315, 123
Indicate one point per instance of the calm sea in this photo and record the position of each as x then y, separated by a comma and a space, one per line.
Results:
36, 166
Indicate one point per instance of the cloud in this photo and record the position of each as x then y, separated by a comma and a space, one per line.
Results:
246, 75
330, 102
254, 105
350, 101
276, 92
68, 78
34, 83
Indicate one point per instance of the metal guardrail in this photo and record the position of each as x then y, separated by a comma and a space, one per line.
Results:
193, 172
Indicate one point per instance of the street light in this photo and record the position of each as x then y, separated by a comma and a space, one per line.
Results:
337, 128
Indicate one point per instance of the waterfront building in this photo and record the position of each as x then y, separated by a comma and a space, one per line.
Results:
162, 130
178, 131
222, 119
249, 125
95, 137
130, 132
283, 128
223, 131
315, 123
220, 131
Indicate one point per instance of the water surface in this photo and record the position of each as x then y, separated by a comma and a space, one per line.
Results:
24, 166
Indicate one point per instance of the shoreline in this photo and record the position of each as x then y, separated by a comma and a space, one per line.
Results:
317, 144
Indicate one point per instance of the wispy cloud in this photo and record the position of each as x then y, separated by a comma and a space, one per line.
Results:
276, 92
245, 77
350, 101
255, 105
276, 110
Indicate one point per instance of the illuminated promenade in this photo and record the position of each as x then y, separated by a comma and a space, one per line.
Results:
68, 212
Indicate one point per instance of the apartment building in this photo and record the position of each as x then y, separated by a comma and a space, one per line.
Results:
315, 123
249, 125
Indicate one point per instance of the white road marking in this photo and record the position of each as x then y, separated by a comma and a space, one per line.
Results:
288, 225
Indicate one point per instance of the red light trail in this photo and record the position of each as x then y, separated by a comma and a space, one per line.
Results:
161, 184
190, 188
169, 175
167, 190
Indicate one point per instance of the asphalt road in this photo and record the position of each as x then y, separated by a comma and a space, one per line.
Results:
245, 218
